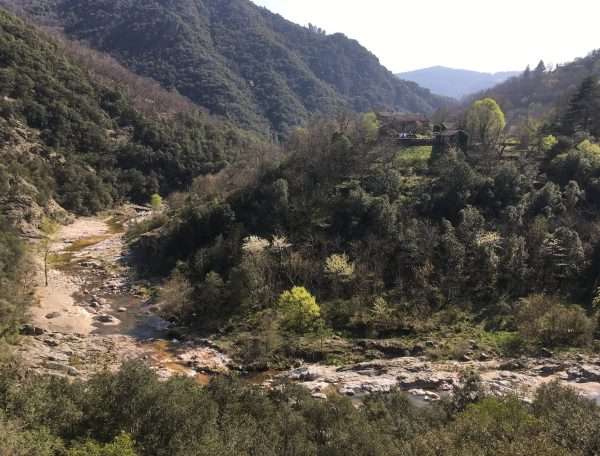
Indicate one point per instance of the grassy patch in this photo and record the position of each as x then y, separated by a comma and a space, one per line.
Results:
413, 157
116, 225
80, 244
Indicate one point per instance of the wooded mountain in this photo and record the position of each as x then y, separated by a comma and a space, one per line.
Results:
540, 91
73, 133
455, 83
236, 59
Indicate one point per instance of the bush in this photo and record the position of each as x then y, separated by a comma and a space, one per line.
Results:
299, 309
121, 446
542, 319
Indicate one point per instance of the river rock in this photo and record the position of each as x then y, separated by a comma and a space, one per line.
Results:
425, 395
417, 350
584, 373
549, 369
105, 318
53, 315
31, 330
388, 348
303, 374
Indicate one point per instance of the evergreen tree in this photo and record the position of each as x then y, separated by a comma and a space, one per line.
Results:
583, 113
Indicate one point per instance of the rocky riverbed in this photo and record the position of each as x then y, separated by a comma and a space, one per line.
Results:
94, 315
430, 380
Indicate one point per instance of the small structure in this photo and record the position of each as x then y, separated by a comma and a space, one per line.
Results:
395, 124
447, 135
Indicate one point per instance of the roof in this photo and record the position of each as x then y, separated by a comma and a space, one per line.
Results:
402, 117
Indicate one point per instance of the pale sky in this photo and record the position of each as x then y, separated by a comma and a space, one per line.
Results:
481, 35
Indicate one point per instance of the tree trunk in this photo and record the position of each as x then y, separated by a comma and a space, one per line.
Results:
46, 265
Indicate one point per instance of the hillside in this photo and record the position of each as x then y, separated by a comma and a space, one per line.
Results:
453, 82
74, 134
540, 91
235, 59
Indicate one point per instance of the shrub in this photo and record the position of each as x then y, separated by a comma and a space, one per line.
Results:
544, 320
123, 445
299, 309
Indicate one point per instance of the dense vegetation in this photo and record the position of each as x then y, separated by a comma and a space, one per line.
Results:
70, 136
349, 236
15, 285
395, 242
539, 92
236, 59
133, 413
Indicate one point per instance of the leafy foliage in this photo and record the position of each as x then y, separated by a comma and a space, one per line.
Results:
299, 308
82, 142
237, 60
15, 281
52, 417
540, 91
423, 235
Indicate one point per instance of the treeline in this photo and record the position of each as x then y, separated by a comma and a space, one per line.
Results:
81, 140
392, 241
132, 413
539, 91
237, 60
16, 291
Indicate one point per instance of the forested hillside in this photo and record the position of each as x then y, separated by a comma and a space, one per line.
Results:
392, 241
236, 59
540, 91
75, 134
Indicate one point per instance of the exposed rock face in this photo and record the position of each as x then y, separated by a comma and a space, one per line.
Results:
431, 380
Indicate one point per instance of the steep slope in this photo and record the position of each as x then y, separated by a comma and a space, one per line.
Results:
455, 83
70, 135
539, 91
236, 59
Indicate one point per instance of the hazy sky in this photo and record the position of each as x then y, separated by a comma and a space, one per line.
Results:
480, 35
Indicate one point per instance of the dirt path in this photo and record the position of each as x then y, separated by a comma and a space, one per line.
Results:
94, 316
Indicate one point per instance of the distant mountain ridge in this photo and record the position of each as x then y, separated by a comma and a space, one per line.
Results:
455, 83
236, 59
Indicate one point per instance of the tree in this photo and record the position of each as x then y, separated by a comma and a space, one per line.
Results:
583, 112
156, 202
122, 445
540, 68
486, 122
48, 228
370, 126
299, 309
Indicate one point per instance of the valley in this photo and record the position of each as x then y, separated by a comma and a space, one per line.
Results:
226, 234
94, 315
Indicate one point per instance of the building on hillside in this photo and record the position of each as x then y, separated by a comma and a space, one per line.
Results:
446, 136
395, 124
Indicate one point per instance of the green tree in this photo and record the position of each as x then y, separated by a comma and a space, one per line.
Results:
156, 202
584, 109
370, 126
122, 445
486, 122
299, 309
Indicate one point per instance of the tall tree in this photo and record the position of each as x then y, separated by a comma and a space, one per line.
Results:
486, 122
583, 113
